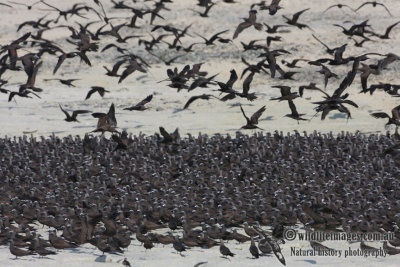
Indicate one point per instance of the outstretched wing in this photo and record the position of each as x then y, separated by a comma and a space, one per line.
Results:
293, 108
165, 134
380, 115
246, 83
145, 101
65, 112
257, 115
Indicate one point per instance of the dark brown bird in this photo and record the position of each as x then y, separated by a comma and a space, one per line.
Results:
224, 250
207, 9
253, 249
58, 242
390, 250
374, 4
98, 89
131, 68
294, 115
107, 122
273, 29
178, 245
114, 71
395, 119
75, 113
17, 252
273, 7
64, 56
253, 121
213, 38
387, 32
194, 98
327, 74
168, 138
248, 22
338, 6
67, 82
285, 92
293, 21
141, 105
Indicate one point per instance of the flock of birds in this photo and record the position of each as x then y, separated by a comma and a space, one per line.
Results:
87, 41
102, 191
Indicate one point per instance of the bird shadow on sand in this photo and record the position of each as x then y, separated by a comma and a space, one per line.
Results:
309, 261
268, 118
338, 116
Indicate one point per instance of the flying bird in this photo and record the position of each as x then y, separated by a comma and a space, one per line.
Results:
98, 89
253, 121
75, 113
248, 22
141, 105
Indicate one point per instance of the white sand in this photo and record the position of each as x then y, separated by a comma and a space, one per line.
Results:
43, 116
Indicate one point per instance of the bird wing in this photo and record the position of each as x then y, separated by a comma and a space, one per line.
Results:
75, 113
388, 29
215, 36
91, 92
111, 120
145, 101
293, 108
165, 134
31, 79
246, 83
240, 28
59, 62
254, 118
380, 115
65, 112
232, 79
297, 15
244, 114
191, 100
363, 4
396, 113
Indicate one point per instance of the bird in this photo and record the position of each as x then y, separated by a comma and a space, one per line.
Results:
17, 252
67, 82
253, 249
98, 89
213, 38
273, 7
64, 56
390, 250
395, 119
327, 74
178, 245
293, 21
130, 68
285, 93
194, 98
141, 105
253, 121
125, 262
374, 4
294, 114
167, 137
106, 122
74, 115
248, 22
387, 31
340, 6
224, 250
207, 9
